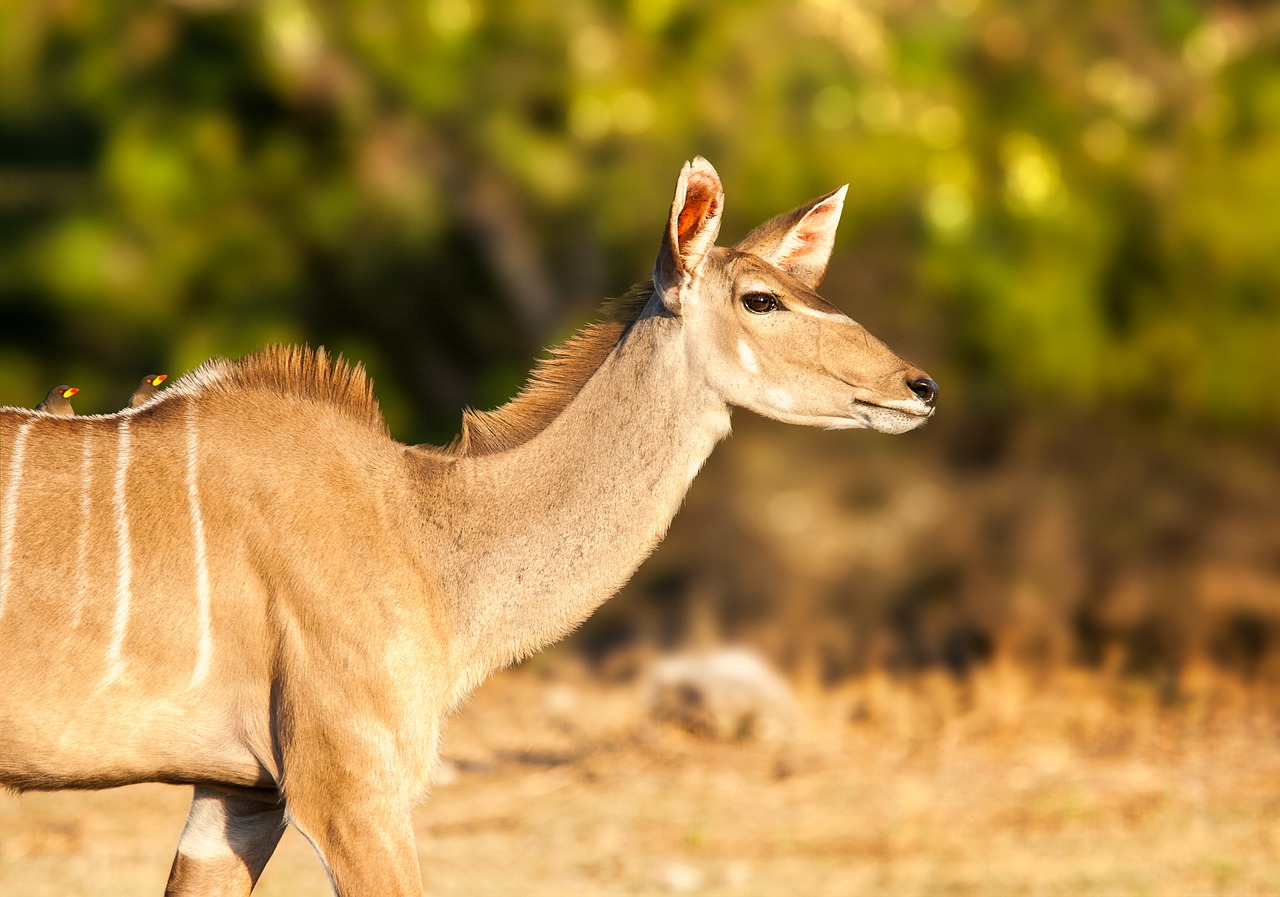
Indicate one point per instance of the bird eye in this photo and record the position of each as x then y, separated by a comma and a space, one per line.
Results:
760, 303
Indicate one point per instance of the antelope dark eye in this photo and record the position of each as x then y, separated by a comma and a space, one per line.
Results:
760, 303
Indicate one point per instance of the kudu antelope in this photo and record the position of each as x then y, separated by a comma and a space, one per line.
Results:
271, 600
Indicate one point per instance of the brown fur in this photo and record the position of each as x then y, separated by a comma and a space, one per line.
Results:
553, 383
297, 371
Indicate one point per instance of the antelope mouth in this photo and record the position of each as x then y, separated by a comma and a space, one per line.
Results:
896, 409
890, 418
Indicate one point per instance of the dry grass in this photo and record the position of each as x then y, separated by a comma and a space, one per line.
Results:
1005, 786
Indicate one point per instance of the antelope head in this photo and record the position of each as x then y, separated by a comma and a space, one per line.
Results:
758, 331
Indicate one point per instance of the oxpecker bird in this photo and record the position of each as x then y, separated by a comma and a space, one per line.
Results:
146, 389
58, 401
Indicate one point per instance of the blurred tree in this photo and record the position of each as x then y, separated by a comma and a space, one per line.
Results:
1082, 195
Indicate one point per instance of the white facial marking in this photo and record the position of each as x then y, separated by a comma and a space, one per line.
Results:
205, 650
124, 568
747, 358
9, 516
801, 309
911, 406
782, 399
86, 517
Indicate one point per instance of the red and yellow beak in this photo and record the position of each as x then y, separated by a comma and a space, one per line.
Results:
158, 379
69, 392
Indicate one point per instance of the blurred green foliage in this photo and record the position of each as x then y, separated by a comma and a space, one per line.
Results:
1061, 203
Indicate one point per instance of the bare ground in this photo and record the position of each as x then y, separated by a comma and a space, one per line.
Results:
556, 783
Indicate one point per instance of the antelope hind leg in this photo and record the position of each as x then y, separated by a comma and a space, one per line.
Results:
229, 836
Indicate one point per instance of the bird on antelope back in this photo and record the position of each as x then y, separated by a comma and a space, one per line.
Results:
146, 390
58, 401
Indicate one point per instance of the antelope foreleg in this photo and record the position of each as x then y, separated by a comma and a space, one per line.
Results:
229, 836
363, 835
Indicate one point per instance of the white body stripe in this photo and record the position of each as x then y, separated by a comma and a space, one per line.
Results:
9, 511
124, 564
86, 519
205, 650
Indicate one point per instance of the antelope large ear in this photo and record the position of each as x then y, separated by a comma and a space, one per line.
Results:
691, 230
800, 241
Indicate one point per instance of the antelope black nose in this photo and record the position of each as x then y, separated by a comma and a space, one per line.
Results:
925, 389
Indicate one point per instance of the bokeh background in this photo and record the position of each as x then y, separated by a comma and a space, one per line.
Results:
1067, 212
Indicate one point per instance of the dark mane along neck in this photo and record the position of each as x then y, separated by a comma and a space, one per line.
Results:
298, 371
554, 382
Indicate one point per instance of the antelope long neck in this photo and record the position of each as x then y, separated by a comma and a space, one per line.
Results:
546, 531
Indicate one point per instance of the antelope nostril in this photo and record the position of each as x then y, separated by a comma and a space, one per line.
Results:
925, 389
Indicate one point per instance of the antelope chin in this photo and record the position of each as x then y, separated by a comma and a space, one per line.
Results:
862, 416
887, 419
